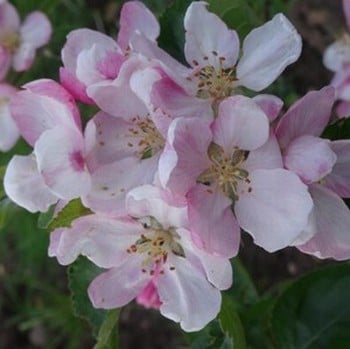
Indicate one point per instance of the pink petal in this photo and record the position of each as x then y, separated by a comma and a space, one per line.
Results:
240, 123
82, 39
149, 297
150, 201
101, 239
36, 30
5, 62
270, 104
60, 155
330, 224
185, 155
24, 185
311, 158
307, 116
267, 51
212, 224
346, 10
339, 179
118, 286
111, 182
74, 86
187, 297
23, 58
343, 109
136, 17
341, 82
9, 18
208, 39
275, 210
337, 54
268, 156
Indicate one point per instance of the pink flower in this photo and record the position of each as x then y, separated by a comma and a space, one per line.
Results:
150, 256
91, 57
325, 167
19, 42
48, 119
8, 127
233, 162
212, 50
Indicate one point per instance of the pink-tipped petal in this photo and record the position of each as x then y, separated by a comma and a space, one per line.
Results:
270, 104
60, 155
182, 292
118, 286
267, 51
101, 239
185, 155
307, 116
208, 39
25, 186
136, 17
276, 208
330, 226
240, 123
311, 158
214, 228
36, 30
339, 179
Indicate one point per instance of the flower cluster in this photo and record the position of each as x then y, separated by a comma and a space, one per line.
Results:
177, 161
18, 45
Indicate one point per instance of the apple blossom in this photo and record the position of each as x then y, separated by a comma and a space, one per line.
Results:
150, 256
19, 42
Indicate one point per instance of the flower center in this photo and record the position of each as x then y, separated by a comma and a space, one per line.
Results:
150, 141
156, 243
10, 41
226, 171
216, 83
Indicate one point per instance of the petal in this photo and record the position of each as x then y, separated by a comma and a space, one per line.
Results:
337, 54
118, 286
60, 157
270, 104
275, 210
339, 179
208, 40
24, 185
331, 221
82, 39
240, 123
5, 62
36, 29
212, 224
101, 239
149, 297
187, 297
346, 11
23, 58
74, 86
307, 116
150, 201
9, 18
10, 133
267, 51
268, 156
343, 109
310, 158
185, 155
341, 83
111, 182
136, 17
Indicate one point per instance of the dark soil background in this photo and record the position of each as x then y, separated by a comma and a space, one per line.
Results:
319, 22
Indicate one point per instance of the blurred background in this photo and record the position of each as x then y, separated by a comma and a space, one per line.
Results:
35, 304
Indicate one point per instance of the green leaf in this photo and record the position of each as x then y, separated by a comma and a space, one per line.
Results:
338, 130
45, 218
172, 36
314, 312
7, 208
108, 335
80, 274
231, 325
74, 209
